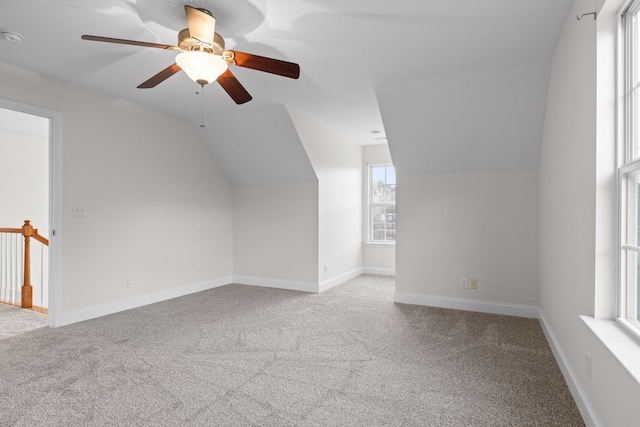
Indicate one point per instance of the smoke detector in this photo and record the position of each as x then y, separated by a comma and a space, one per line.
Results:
11, 36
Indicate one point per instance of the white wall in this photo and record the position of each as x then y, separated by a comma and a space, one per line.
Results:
276, 235
465, 147
376, 258
479, 225
576, 188
337, 163
24, 177
159, 209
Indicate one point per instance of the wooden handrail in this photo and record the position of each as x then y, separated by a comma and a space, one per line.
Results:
27, 231
39, 238
35, 235
10, 230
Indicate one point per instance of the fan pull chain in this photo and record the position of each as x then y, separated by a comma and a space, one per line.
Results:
198, 92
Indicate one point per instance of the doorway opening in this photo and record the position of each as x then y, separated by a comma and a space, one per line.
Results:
24, 185
30, 185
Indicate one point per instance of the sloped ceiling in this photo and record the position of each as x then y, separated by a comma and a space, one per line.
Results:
259, 146
346, 49
483, 120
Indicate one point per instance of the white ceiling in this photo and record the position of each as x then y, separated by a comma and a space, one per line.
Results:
348, 50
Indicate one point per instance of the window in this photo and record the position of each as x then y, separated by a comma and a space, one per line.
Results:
382, 204
629, 172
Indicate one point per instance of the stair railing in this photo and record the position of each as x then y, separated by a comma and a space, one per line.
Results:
28, 232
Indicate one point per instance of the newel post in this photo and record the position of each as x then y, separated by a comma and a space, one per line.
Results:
27, 290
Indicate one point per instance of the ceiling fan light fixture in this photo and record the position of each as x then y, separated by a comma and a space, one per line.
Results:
201, 67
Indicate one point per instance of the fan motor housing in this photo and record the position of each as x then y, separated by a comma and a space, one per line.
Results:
186, 42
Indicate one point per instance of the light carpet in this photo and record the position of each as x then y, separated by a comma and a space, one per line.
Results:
248, 356
16, 321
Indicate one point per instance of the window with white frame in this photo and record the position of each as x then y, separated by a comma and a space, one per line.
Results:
629, 171
382, 204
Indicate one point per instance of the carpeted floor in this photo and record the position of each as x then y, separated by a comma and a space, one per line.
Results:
243, 356
16, 321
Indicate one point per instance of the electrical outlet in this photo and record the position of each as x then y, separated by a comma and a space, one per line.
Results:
473, 283
588, 366
127, 282
326, 268
464, 283
78, 210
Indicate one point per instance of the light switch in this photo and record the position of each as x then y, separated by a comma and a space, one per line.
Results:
78, 210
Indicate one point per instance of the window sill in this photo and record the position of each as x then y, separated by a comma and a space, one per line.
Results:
380, 243
624, 347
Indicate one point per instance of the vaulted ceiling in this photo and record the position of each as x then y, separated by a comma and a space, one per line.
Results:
354, 55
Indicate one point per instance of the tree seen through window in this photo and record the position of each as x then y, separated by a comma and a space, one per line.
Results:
383, 203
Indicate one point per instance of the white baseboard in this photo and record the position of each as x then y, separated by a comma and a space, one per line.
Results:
589, 415
379, 271
276, 283
467, 304
335, 281
99, 310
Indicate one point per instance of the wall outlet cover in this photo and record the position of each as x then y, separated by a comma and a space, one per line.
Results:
78, 210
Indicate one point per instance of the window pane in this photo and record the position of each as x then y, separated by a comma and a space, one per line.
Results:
391, 175
383, 194
383, 219
634, 294
383, 175
632, 91
635, 146
634, 213
382, 204
391, 231
378, 175
631, 294
629, 286
634, 283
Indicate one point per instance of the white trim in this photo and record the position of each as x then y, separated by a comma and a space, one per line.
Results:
276, 283
379, 271
492, 307
620, 340
627, 166
588, 412
56, 186
55, 203
100, 310
335, 281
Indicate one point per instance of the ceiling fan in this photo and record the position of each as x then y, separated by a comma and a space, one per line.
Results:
204, 58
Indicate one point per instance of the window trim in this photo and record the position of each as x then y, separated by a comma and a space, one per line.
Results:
370, 240
628, 167
628, 206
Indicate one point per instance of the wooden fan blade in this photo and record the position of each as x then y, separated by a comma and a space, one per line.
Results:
202, 26
160, 77
232, 86
268, 65
131, 42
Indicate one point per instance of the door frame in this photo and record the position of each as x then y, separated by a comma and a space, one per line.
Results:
55, 203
